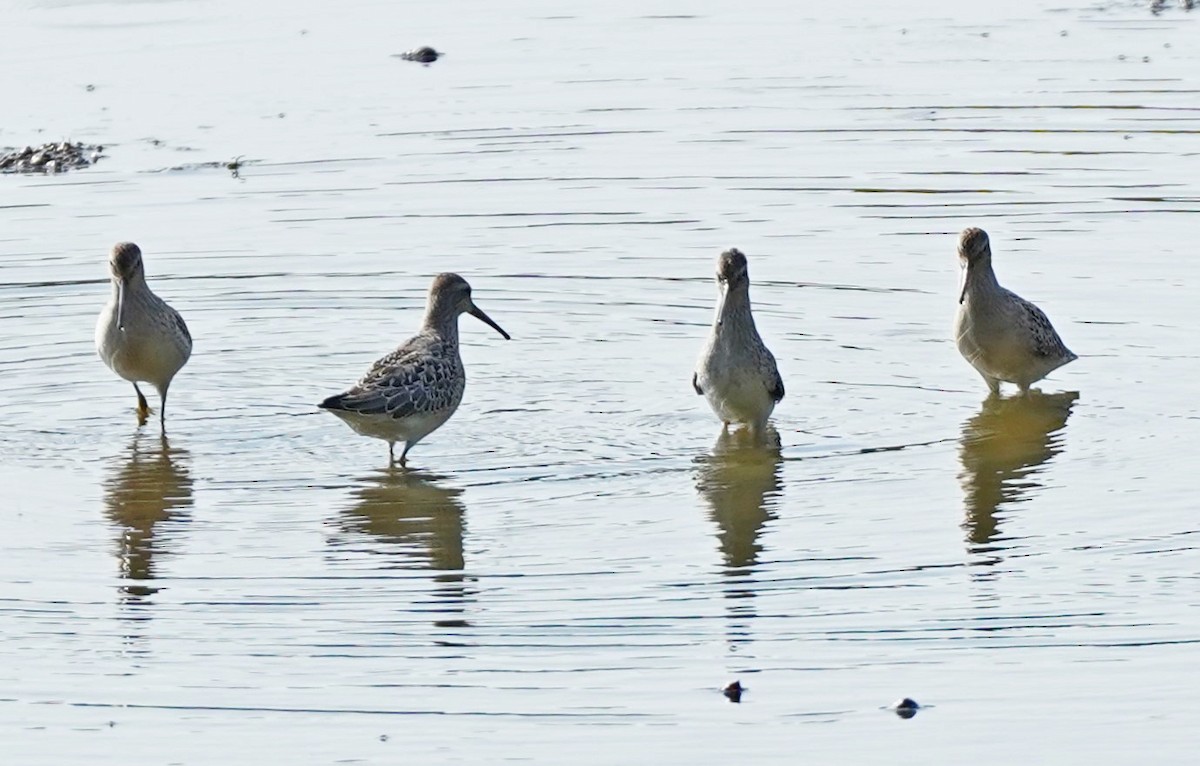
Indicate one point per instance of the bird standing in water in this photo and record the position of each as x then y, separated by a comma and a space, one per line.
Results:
138, 335
1004, 337
736, 372
412, 391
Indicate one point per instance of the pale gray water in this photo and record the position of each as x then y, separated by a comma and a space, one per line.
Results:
571, 575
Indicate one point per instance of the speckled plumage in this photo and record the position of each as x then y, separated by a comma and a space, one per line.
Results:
411, 392
736, 372
138, 335
1004, 337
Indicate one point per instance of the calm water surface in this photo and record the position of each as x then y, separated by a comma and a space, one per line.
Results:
578, 563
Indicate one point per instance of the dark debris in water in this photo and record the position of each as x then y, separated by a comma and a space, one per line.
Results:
906, 707
234, 166
424, 55
50, 158
733, 692
1158, 6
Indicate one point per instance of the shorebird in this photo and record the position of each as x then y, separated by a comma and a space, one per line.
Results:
736, 372
1002, 335
412, 391
138, 335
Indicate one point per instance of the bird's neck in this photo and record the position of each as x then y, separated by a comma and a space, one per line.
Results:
980, 278
734, 314
442, 322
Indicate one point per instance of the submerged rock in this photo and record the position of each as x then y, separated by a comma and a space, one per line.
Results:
50, 158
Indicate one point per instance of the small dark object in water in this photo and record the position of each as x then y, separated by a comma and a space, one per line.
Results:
424, 54
235, 166
1158, 6
49, 158
906, 707
733, 692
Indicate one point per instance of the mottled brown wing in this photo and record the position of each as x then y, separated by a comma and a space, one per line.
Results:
413, 378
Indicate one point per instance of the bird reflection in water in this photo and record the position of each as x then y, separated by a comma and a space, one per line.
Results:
421, 523
1003, 449
740, 481
149, 491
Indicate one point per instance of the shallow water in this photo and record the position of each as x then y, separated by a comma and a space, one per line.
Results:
578, 565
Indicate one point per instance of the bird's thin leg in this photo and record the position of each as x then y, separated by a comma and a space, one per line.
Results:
143, 409
391, 454
404, 455
162, 411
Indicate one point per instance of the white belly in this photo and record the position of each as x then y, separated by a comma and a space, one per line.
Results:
410, 429
737, 396
148, 353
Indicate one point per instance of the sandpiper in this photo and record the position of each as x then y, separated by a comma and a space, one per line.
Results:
736, 372
412, 391
1002, 335
138, 335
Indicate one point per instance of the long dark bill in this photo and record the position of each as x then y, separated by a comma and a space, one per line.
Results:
482, 317
120, 303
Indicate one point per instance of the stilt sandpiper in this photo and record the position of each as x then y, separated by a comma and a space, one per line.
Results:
138, 335
736, 372
1002, 335
412, 391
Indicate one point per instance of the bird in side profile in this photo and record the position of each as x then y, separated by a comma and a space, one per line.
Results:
138, 335
1002, 335
736, 372
412, 391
